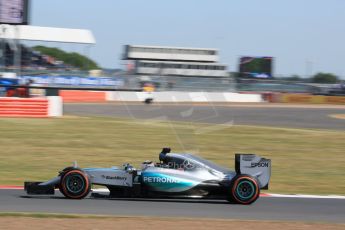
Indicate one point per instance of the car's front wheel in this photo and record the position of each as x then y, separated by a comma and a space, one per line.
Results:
75, 184
244, 189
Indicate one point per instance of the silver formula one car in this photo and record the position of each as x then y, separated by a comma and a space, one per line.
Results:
175, 176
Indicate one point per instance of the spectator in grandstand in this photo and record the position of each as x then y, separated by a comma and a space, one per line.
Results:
11, 92
170, 85
25, 91
8, 86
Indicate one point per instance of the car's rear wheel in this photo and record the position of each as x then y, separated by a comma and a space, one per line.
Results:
244, 189
75, 184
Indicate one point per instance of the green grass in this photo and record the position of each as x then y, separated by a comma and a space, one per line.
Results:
304, 161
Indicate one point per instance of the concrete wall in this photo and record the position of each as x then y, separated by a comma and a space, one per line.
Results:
175, 96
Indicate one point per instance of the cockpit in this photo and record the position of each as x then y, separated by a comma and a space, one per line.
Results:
175, 161
187, 162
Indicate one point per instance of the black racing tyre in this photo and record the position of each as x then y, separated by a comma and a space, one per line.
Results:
244, 189
75, 184
62, 173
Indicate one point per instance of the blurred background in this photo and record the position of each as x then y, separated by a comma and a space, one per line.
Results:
272, 47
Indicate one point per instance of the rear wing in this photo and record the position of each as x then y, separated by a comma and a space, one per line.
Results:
255, 166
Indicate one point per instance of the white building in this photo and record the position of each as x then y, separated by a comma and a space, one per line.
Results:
174, 61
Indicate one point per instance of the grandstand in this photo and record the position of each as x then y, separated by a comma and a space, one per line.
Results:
17, 56
174, 61
30, 59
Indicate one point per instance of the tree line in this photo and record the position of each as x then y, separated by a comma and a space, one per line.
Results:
321, 78
73, 59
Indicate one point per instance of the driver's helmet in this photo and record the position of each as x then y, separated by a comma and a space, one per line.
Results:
162, 155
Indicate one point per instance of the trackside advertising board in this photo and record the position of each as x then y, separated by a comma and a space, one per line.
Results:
75, 81
310, 99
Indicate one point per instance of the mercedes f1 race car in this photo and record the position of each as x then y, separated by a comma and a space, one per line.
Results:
175, 176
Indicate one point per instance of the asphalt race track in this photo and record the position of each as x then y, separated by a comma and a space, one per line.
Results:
266, 208
291, 117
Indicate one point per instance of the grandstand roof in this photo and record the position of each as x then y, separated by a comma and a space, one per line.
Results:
171, 47
50, 34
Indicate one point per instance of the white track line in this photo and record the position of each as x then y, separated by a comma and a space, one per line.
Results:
105, 190
306, 196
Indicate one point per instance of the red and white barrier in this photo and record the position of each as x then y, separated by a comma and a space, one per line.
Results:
164, 96
31, 107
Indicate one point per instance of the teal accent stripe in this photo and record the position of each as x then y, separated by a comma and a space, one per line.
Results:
166, 182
